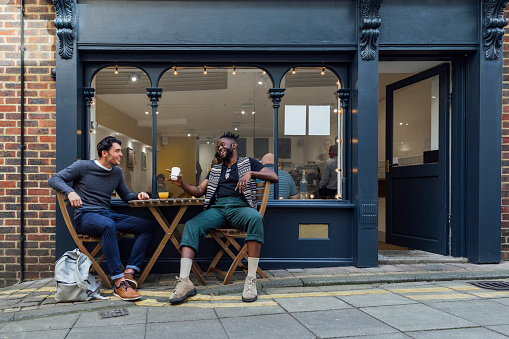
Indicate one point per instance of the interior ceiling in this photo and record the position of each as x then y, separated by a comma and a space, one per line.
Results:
208, 105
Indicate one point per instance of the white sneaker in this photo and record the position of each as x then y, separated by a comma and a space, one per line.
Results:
183, 290
250, 294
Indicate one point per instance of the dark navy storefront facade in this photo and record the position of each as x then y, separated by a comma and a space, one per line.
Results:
347, 37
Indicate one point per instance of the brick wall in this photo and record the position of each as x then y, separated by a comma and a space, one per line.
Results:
505, 146
39, 139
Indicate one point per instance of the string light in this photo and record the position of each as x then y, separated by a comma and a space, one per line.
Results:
175, 71
205, 70
323, 71
234, 72
263, 72
293, 71
116, 70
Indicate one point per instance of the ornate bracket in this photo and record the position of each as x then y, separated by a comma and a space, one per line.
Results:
494, 23
64, 23
370, 22
344, 96
154, 94
88, 94
275, 94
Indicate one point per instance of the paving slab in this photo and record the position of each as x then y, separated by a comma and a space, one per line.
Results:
342, 323
47, 334
482, 312
251, 310
461, 333
381, 336
209, 329
170, 314
306, 304
416, 317
265, 326
137, 315
282, 290
42, 324
124, 331
383, 299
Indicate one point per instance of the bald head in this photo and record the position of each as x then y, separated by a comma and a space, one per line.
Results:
268, 159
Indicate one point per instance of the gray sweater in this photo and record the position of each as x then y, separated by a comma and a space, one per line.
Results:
93, 184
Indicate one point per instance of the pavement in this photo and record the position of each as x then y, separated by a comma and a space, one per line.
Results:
417, 295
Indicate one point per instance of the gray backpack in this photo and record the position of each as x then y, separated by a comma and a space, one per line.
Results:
73, 278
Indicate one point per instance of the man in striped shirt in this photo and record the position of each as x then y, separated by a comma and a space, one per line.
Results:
287, 188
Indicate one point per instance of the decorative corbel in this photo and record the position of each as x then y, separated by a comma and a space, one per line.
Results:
64, 23
344, 97
370, 22
275, 94
493, 27
88, 95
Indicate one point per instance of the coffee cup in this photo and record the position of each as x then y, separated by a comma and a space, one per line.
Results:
175, 172
163, 195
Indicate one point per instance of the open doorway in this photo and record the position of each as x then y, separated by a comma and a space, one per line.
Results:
413, 156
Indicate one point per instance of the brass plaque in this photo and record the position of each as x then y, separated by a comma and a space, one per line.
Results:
313, 231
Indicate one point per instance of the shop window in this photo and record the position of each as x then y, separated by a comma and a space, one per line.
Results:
310, 132
199, 104
121, 108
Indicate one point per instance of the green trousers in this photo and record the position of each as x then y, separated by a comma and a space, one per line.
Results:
226, 212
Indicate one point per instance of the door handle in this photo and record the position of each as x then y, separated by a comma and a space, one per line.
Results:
387, 166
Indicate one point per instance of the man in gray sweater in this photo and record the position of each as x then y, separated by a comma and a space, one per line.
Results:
93, 183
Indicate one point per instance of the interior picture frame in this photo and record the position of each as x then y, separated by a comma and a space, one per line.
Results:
144, 161
130, 157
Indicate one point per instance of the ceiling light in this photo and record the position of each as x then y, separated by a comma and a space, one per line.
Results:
133, 78
335, 110
146, 112
234, 72
260, 82
253, 112
175, 71
205, 70
157, 112
263, 72
188, 134
323, 71
294, 71
236, 128
400, 123
116, 70
242, 112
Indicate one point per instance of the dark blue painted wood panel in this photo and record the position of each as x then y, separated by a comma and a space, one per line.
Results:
429, 22
218, 22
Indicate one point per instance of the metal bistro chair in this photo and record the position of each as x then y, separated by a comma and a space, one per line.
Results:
80, 239
237, 252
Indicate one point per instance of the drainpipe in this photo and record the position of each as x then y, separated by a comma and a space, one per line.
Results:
22, 147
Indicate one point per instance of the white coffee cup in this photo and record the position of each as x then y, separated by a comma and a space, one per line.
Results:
175, 172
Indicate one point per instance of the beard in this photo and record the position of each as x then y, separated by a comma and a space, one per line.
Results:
228, 155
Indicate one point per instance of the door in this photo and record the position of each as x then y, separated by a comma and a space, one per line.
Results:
417, 156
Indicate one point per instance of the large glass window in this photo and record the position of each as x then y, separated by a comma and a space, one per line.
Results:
198, 105
121, 108
310, 132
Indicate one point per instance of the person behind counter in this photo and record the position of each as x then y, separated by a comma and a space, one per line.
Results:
328, 186
230, 199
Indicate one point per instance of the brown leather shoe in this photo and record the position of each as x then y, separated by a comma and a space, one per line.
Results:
129, 277
125, 292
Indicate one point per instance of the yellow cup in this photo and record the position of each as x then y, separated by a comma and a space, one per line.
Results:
163, 195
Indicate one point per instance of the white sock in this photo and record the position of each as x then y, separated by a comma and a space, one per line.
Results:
252, 266
185, 267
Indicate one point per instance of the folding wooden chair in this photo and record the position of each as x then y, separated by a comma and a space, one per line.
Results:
237, 252
80, 239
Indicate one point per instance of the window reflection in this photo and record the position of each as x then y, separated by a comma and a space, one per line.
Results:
310, 124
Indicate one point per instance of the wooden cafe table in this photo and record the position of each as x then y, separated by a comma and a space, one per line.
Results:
169, 229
